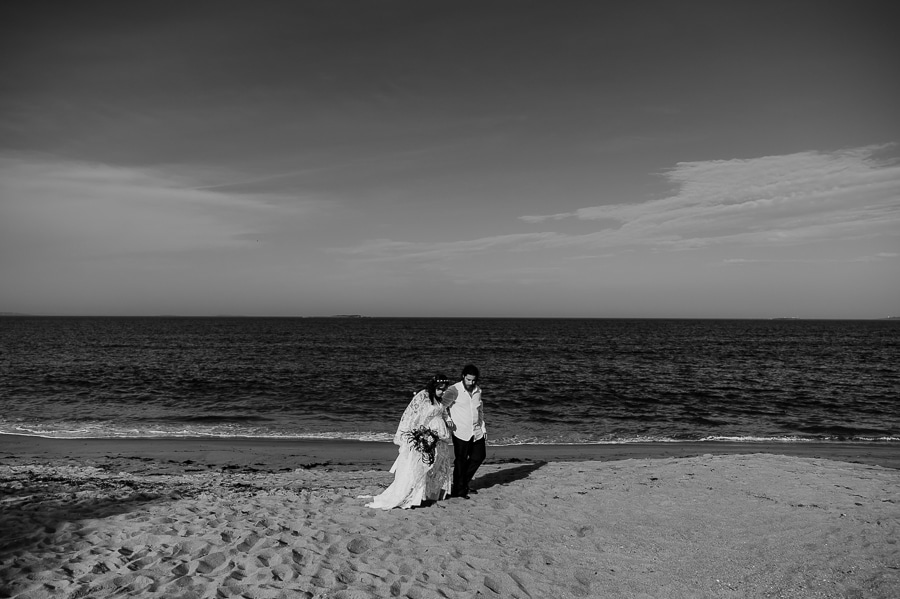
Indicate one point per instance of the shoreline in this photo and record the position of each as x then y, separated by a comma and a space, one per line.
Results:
173, 455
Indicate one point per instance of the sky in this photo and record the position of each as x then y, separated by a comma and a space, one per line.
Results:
645, 159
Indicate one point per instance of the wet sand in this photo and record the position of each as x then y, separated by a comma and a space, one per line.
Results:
174, 455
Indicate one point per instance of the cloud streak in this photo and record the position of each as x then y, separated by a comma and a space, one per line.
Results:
879, 257
773, 200
52, 205
381, 250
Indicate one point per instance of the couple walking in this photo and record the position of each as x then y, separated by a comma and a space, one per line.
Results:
442, 443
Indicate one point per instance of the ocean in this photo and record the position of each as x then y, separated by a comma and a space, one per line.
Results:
543, 380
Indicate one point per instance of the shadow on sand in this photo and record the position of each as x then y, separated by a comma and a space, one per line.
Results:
39, 513
507, 475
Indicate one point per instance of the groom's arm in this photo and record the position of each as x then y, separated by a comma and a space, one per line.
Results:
449, 397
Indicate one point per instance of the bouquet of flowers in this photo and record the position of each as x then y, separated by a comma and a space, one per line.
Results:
424, 440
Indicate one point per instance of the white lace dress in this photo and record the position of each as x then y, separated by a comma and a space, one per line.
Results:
414, 480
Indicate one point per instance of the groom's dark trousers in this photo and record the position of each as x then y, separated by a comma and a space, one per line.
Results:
468, 456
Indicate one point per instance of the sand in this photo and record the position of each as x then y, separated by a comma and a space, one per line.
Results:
258, 519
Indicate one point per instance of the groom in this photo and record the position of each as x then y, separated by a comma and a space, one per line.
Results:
468, 433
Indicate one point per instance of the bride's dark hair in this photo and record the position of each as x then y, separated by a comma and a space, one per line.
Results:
438, 379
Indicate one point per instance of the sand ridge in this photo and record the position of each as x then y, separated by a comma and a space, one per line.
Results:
709, 526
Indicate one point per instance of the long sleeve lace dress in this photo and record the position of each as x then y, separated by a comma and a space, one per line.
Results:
414, 479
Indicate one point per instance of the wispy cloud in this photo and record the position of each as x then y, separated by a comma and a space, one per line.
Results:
378, 250
773, 200
879, 257
50, 204
757, 202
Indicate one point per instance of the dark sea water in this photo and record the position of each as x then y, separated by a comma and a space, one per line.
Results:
544, 380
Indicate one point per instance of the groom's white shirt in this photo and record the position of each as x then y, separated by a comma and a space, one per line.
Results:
467, 413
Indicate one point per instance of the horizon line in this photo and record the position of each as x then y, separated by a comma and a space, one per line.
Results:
360, 316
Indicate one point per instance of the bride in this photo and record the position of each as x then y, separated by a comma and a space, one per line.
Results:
423, 471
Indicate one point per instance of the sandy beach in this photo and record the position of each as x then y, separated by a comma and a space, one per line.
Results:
253, 518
